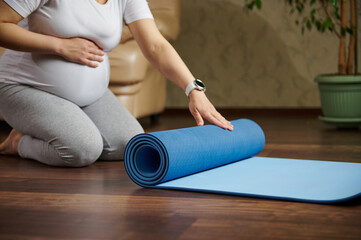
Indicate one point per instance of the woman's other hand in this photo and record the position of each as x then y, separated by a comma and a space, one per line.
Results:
81, 51
200, 107
14, 37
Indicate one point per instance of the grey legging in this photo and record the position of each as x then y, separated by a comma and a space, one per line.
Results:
59, 133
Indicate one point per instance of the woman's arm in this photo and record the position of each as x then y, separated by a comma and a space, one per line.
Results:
14, 37
164, 57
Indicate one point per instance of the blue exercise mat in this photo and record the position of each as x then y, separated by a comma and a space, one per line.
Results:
211, 159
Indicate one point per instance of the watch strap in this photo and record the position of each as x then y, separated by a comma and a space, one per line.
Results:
191, 86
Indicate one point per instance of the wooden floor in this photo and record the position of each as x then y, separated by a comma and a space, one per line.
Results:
101, 202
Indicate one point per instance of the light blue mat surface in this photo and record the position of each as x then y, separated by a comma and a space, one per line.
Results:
210, 159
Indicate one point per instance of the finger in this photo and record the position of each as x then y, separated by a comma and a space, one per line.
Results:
198, 118
210, 118
96, 51
96, 46
91, 47
93, 57
214, 120
90, 63
225, 122
221, 118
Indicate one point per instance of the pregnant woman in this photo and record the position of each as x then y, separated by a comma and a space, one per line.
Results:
55, 72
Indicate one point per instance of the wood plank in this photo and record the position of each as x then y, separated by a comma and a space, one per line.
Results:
101, 202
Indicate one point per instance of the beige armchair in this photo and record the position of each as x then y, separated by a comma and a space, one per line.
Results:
139, 86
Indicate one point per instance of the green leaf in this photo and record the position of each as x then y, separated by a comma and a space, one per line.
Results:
334, 3
336, 14
251, 5
313, 11
309, 25
313, 18
349, 31
327, 24
259, 4
343, 31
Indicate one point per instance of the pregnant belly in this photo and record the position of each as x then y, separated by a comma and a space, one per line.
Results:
78, 83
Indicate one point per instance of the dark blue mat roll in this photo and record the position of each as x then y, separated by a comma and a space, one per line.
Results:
210, 159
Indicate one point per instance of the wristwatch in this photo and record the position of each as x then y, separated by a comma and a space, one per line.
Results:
196, 84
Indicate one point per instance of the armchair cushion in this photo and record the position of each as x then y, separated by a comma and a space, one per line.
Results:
128, 64
167, 17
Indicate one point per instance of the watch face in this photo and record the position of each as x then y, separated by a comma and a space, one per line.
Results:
199, 83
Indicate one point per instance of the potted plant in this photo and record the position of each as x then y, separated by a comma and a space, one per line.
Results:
340, 93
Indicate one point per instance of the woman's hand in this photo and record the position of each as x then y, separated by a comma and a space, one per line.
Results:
81, 51
200, 107
14, 37
164, 57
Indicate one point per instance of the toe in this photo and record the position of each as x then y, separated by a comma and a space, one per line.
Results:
10, 144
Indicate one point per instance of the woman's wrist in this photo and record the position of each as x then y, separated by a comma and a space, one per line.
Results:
57, 46
195, 85
195, 94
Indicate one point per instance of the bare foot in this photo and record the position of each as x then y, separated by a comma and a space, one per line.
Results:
10, 145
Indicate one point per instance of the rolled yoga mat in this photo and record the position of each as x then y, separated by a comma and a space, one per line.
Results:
211, 159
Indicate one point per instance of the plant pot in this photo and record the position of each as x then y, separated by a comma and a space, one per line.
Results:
340, 100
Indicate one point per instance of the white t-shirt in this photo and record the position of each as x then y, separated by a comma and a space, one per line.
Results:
65, 19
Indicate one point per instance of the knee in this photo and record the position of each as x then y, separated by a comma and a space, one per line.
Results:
114, 147
128, 136
83, 153
137, 129
88, 153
